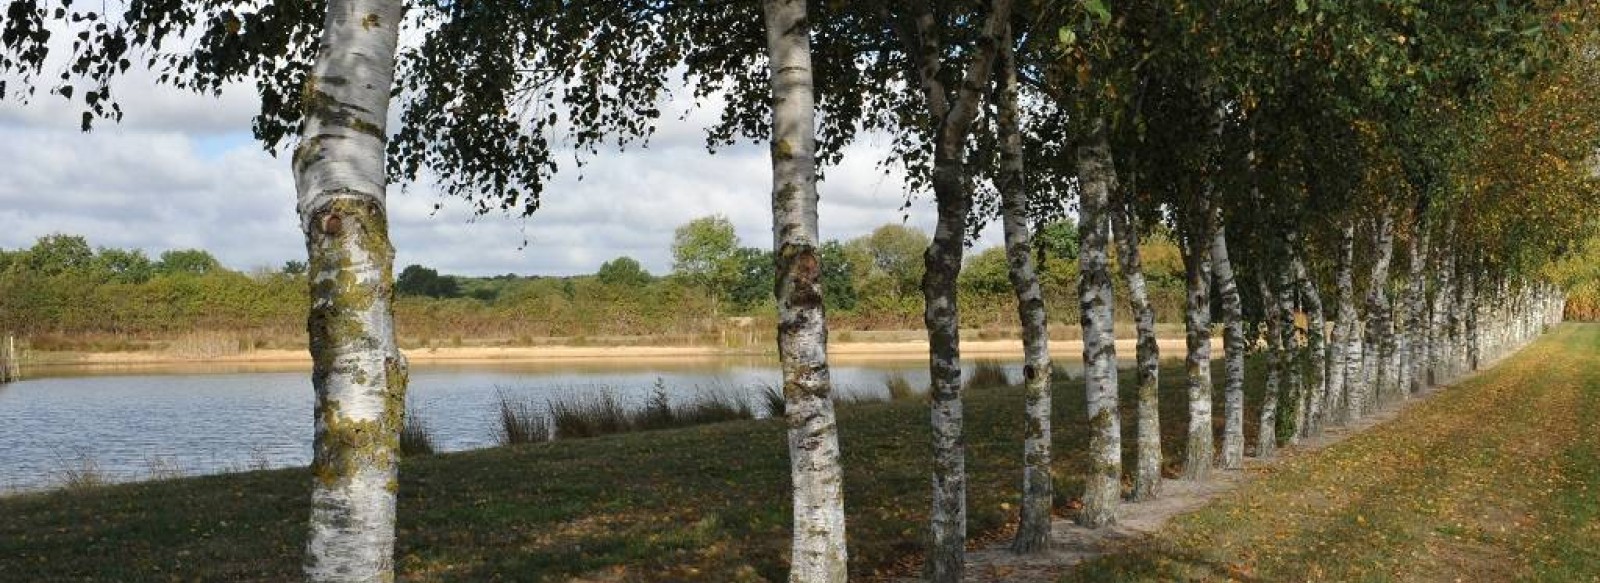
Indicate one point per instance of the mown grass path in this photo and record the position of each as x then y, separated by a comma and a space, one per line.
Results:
1494, 479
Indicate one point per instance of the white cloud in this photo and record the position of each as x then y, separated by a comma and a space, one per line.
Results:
181, 171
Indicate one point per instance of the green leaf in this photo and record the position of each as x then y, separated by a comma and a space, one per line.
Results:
1301, 6
1067, 36
1098, 9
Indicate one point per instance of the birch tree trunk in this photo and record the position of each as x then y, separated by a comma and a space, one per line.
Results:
1097, 179
952, 116
1469, 305
1147, 476
1290, 368
358, 372
1033, 533
1377, 308
1417, 314
1197, 337
818, 553
1343, 328
1233, 345
1316, 347
1266, 427
1439, 347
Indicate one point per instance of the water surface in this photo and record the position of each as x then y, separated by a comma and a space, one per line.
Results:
131, 423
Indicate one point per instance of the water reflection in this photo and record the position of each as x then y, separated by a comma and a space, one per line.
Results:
132, 422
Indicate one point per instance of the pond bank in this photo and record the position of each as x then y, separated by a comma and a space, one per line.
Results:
838, 351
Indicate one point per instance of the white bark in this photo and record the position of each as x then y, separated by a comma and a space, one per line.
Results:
1417, 321
818, 552
1234, 348
951, 118
1147, 477
1371, 380
358, 373
1267, 424
1033, 531
1343, 328
1197, 337
1103, 480
1316, 348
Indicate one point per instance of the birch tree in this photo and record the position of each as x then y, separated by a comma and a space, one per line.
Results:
1033, 533
1147, 475
951, 112
819, 550
1097, 179
359, 374
1234, 347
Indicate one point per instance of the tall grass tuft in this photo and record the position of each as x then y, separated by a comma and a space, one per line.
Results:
589, 416
772, 399
80, 472
415, 438
162, 467
899, 388
520, 422
988, 374
712, 406
657, 412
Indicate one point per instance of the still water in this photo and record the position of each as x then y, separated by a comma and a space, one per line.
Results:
134, 423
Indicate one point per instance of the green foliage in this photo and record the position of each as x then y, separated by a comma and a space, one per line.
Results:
754, 278
838, 289
705, 251
986, 273
57, 254
126, 266
623, 271
187, 262
119, 299
1059, 239
416, 280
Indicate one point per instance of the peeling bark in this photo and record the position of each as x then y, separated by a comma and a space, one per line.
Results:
1103, 480
358, 372
818, 551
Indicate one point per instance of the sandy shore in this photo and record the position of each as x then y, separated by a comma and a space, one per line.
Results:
1064, 350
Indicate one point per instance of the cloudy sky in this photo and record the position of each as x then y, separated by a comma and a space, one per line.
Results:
183, 171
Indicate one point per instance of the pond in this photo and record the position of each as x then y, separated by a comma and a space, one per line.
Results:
133, 423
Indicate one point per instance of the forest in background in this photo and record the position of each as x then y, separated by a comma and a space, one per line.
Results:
65, 293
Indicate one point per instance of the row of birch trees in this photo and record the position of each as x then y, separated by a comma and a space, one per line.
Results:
1364, 192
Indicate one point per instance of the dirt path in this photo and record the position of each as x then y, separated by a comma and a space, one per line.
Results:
1074, 544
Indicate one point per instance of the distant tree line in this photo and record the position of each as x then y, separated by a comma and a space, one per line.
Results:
64, 286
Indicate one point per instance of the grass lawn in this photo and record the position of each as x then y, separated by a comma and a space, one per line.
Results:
707, 503
1496, 479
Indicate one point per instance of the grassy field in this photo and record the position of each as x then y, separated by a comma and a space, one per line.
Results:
1497, 479
706, 503
1492, 478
